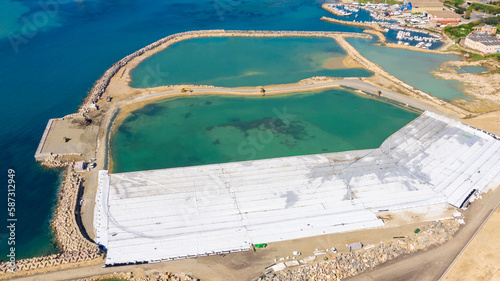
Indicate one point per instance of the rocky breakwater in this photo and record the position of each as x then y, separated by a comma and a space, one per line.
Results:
349, 264
371, 25
75, 248
130, 276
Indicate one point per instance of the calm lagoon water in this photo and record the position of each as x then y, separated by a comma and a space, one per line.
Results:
239, 61
413, 67
470, 69
205, 130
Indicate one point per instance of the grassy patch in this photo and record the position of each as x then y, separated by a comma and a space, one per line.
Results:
488, 9
476, 57
456, 32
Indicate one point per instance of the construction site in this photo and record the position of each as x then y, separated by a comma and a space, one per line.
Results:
433, 166
421, 178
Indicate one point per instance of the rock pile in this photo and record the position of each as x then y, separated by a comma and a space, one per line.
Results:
55, 161
129, 276
349, 264
65, 227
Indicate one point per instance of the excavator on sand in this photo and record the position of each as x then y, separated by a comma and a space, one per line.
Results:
183, 90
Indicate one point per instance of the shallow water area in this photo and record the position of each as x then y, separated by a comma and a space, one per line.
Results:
470, 69
193, 131
241, 61
413, 68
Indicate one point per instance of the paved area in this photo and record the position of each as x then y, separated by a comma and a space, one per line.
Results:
82, 139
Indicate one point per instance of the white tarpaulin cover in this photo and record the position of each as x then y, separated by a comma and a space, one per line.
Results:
192, 211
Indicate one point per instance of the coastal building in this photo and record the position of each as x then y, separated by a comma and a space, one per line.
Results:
422, 6
483, 43
485, 29
444, 17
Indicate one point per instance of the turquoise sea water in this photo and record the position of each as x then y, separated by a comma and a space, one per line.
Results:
413, 67
52, 55
240, 61
205, 130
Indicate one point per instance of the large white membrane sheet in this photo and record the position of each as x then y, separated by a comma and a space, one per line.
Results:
176, 213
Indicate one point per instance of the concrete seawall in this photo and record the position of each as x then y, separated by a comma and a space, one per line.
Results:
39, 156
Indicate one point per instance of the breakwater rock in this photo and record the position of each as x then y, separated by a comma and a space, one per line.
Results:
373, 26
349, 264
55, 161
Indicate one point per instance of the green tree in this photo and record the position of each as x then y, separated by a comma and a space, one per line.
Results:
467, 14
492, 20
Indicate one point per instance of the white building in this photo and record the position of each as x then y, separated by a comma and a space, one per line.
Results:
486, 44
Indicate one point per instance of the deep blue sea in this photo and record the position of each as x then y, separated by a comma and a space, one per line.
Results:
52, 51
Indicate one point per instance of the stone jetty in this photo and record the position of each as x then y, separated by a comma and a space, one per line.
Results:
346, 265
371, 25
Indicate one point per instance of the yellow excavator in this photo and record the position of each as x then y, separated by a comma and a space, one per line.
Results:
183, 90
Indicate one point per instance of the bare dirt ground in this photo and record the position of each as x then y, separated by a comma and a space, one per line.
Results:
431, 264
481, 259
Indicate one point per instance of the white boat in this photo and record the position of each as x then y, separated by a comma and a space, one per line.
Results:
406, 44
428, 45
419, 44
400, 42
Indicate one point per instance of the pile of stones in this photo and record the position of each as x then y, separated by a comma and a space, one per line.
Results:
349, 264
